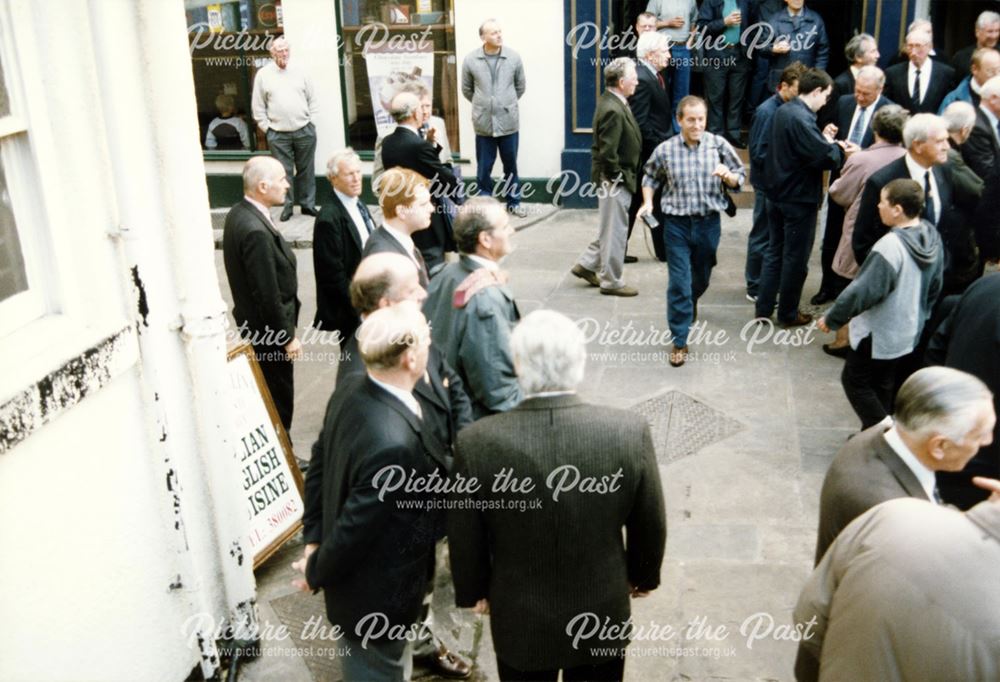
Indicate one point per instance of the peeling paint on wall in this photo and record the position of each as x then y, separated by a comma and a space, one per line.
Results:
142, 303
65, 387
236, 551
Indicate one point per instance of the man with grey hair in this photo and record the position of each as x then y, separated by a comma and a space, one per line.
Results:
941, 418
339, 235
985, 65
921, 83
987, 35
405, 148
555, 552
261, 270
284, 107
614, 168
493, 80
472, 311
982, 152
861, 50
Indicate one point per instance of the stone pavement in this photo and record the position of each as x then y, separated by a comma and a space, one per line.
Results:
744, 432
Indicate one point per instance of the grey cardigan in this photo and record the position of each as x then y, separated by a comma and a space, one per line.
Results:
494, 100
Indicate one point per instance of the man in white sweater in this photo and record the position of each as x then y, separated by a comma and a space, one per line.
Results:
284, 106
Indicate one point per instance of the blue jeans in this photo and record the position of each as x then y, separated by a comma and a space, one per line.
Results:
486, 156
760, 235
679, 70
691, 243
786, 263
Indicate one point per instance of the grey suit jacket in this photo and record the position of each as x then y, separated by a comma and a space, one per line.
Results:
541, 567
865, 472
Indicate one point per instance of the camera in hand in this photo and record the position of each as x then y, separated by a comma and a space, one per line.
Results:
650, 220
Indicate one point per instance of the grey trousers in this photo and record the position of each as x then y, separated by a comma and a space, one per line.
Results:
296, 150
606, 254
383, 661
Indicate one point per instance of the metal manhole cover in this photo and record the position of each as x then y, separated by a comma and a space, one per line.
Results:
681, 425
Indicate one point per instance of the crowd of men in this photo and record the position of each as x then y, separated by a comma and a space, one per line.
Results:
443, 390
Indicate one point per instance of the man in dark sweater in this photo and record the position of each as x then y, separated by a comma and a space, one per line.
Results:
796, 159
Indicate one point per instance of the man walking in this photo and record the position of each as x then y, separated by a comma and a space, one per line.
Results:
493, 80
284, 107
616, 149
691, 168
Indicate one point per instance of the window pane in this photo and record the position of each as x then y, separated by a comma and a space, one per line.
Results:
228, 40
13, 278
4, 102
387, 43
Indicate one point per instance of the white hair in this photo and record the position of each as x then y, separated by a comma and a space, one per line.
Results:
940, 400
260, 169
650, 41
345, 154
986, 18
920, 127
991, 88
871, 73
959, 116
549, 352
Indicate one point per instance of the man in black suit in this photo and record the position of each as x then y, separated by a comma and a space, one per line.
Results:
378, 539
260, 267
650, 104
797, 156
405, 148
551, 563
406, 210
981, 153
339, 234
853, 119
921, 83
861, 51
987, 35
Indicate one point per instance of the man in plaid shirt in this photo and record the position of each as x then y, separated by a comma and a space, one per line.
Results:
690, 168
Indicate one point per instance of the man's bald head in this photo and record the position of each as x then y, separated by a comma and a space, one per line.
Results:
264, 180
405, 108
385, 279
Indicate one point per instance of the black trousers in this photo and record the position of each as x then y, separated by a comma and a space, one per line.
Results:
832, 283
726, 79
869, 384
608, 671
277, 370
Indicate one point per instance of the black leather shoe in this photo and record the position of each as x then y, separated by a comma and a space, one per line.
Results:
823, 296
444, 663
631, 259
840, 352
801, 320
286, 214
310, 210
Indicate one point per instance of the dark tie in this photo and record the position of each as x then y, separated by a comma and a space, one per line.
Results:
858, 131
422, 266
366, 216
929, 213
937, 496
659, 77
916, 89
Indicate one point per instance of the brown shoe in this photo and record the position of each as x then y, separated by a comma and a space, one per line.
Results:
800, 320
588, 276
621, 291
444, 663
678, 356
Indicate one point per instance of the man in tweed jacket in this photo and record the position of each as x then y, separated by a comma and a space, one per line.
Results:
547, 557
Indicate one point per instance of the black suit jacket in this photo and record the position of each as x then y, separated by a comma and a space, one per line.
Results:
542, 566
797, 156
441, 395
982, 154
650, 104
404, 148
375, 555
260, 267
897, 87
846, 107
382, 241
336, 254
842, 85
869, 228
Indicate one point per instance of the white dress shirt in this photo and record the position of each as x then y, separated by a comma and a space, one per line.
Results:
351, 204
404, 397
485, 262
918, 173
925, 77
924, 475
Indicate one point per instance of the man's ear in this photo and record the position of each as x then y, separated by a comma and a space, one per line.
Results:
935, 446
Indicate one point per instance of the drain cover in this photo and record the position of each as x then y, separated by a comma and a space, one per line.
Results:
682, 426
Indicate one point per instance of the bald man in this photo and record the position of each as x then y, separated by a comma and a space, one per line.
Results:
260, 267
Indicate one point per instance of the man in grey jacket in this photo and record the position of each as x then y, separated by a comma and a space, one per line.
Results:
890, 301
471, 310
493, 80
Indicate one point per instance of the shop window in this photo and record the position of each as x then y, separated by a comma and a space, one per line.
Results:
386, 43
229, 42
